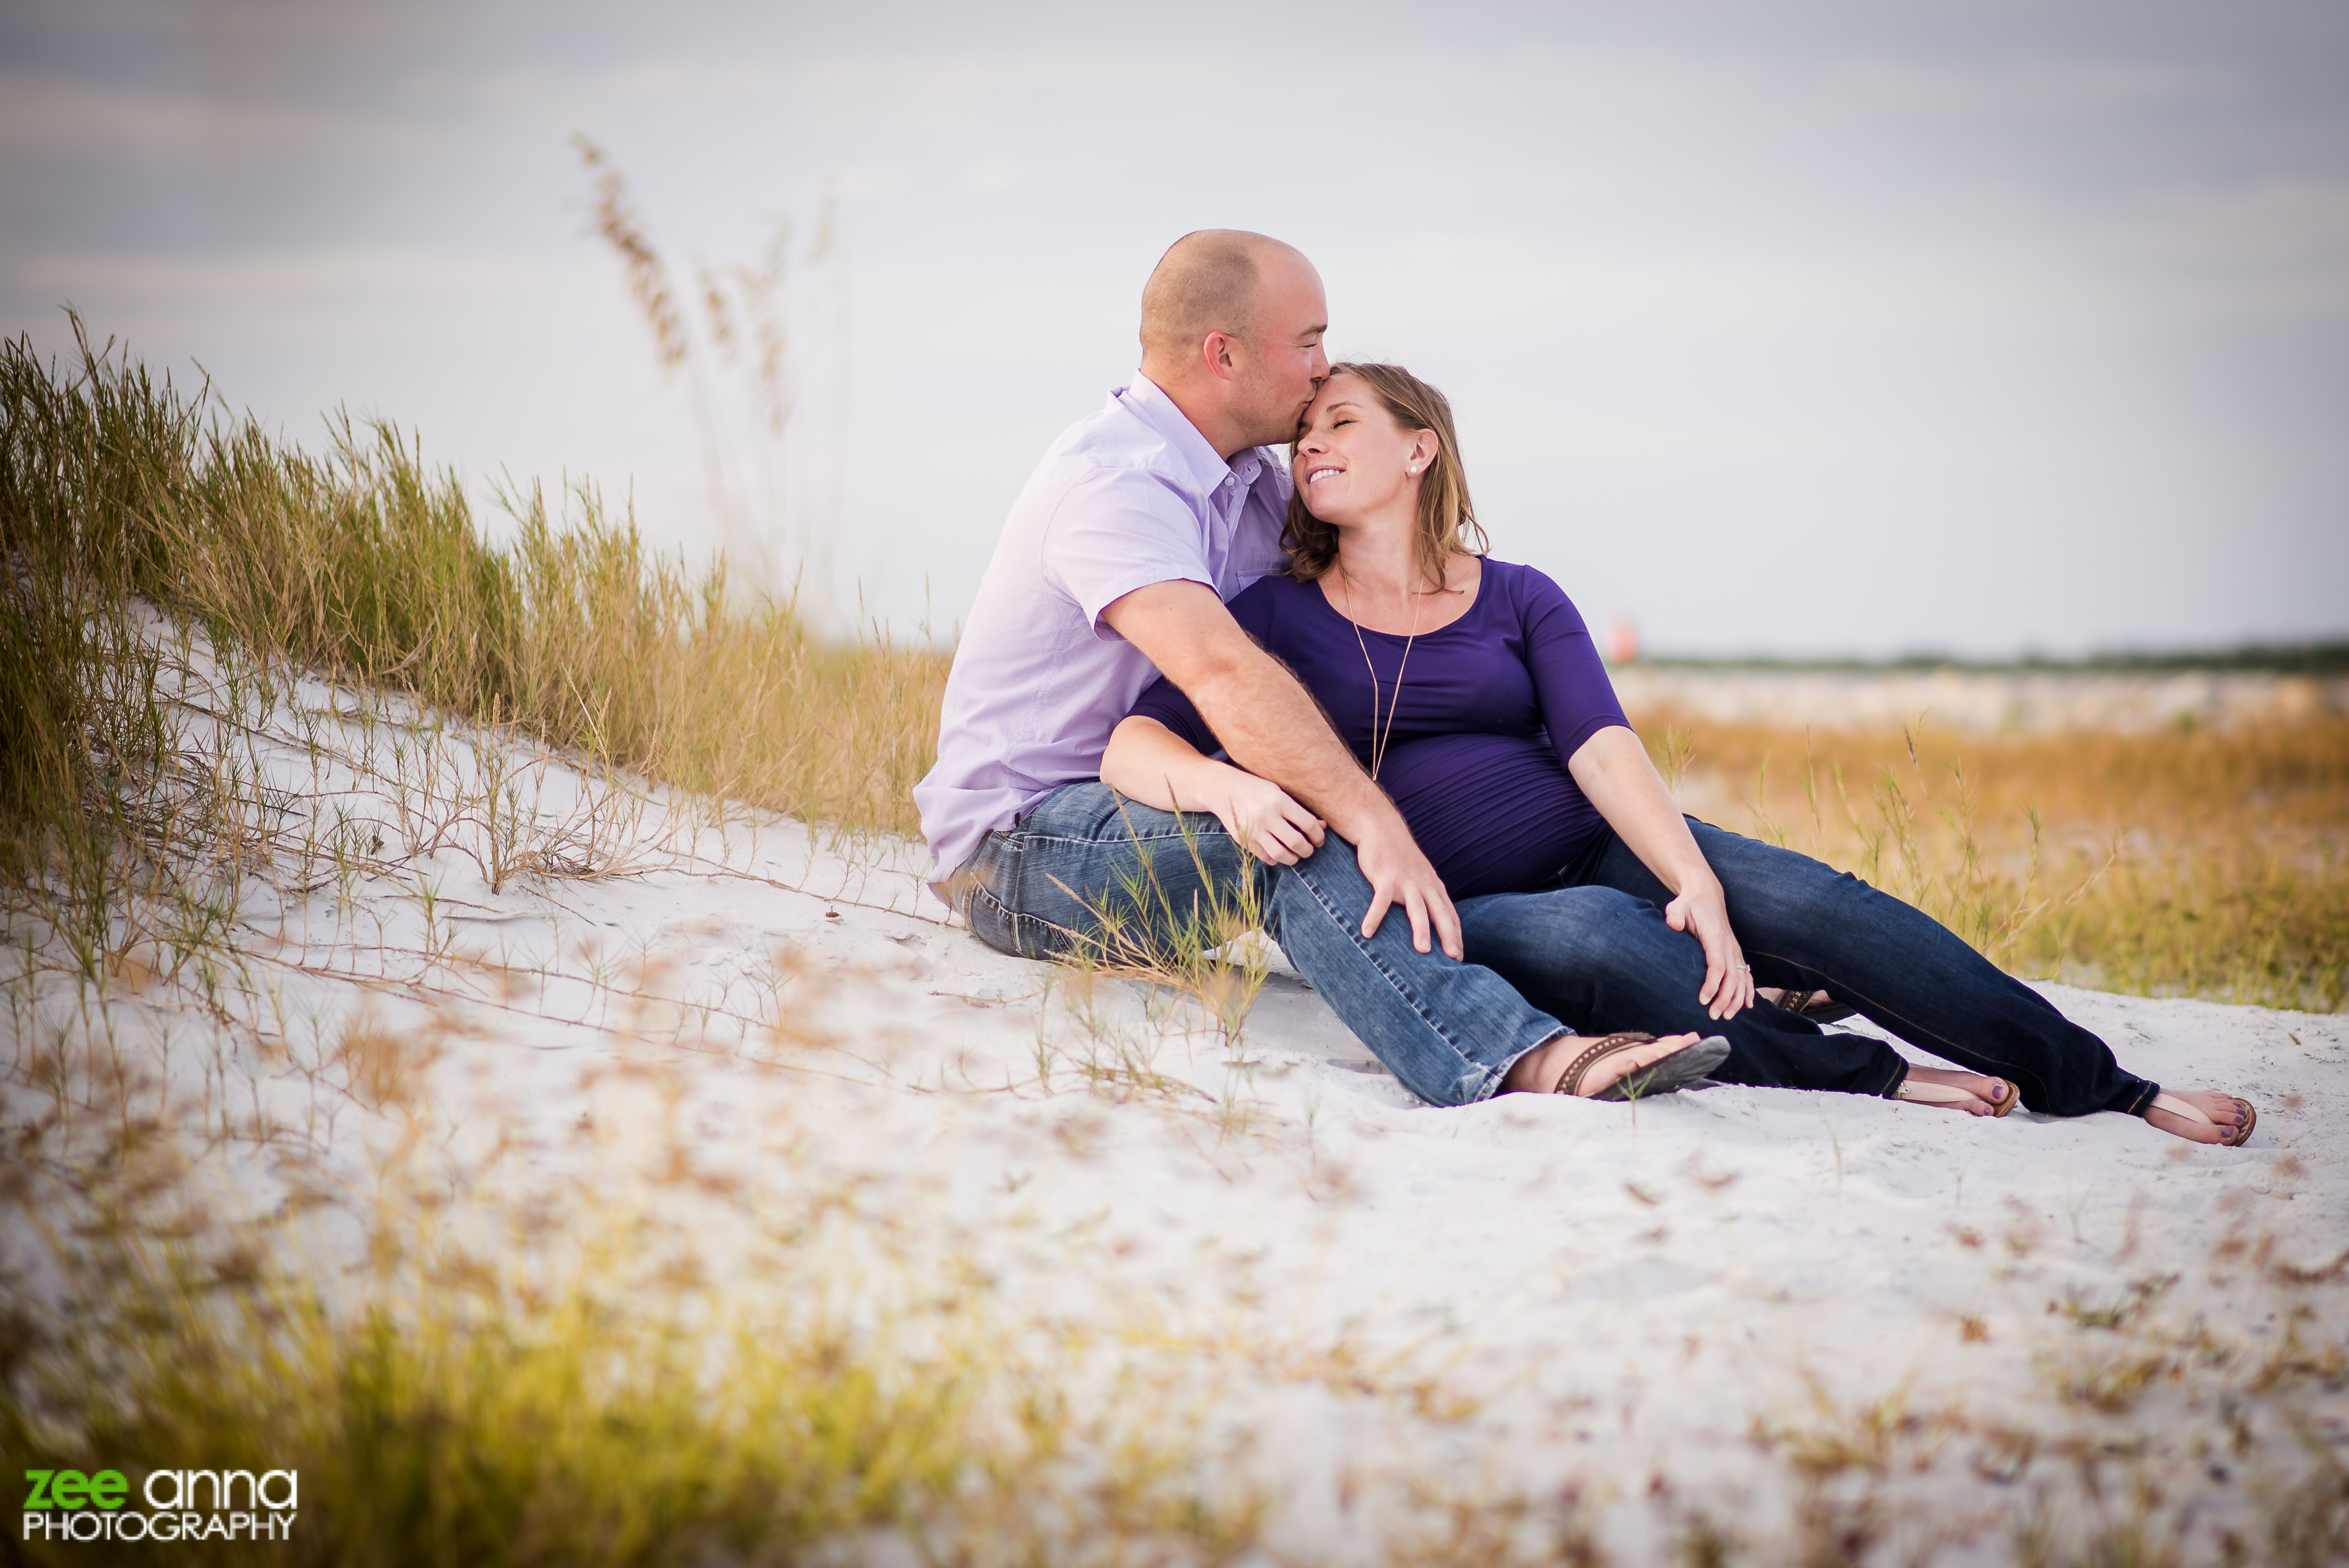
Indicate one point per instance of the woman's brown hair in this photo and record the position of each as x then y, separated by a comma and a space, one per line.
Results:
1447, 520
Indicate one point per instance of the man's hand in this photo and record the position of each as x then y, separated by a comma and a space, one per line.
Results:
1703, 910
1270, 727
1260, 815
1401, 875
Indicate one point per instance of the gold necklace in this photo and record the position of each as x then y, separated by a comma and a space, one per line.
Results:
1377, 735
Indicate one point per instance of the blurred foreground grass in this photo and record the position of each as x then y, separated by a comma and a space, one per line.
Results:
528, 1380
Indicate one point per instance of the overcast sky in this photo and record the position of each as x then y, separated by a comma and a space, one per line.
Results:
1800, 328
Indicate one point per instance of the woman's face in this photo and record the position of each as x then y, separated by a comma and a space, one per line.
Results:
1353, 460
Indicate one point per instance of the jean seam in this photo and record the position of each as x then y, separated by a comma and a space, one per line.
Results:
1012, 919
1151, 836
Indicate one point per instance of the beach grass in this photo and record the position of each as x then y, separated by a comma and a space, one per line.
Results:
365, 566
2191, 862
514, 1383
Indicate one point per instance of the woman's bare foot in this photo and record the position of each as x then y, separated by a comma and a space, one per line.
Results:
1972, 1093
1538, 1070
2227, 1116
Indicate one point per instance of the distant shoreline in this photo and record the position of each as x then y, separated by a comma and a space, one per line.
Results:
2315, 658
1983, 699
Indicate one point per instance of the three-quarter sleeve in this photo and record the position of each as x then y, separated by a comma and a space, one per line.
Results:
1163, 700
1576, 698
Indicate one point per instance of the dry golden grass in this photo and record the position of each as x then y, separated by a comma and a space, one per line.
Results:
2189, 863
367, 566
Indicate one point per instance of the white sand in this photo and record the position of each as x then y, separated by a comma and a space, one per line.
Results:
1535, 1297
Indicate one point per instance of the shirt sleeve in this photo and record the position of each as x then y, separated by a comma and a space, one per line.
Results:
1578, 700
1117, 530
1163, 700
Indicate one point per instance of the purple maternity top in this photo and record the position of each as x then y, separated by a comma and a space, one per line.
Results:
1491, 707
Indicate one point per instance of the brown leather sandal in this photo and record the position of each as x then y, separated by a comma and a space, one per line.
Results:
1683, 1066
1816, 1006
2193, 1113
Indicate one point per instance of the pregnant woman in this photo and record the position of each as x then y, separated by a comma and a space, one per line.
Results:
1470, 690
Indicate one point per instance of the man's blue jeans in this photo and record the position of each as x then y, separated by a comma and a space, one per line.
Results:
1084, 867
1594, 950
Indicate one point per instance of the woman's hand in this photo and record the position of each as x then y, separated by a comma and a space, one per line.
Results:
1148, 762
1261, 818
1703, 910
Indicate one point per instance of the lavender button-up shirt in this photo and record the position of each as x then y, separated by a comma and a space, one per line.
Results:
1131, 496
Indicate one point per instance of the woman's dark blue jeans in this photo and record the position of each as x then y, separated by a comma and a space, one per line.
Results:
1594, 951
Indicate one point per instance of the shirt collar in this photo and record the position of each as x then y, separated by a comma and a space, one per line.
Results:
1148, 402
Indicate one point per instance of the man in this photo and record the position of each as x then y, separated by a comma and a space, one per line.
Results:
1114, 564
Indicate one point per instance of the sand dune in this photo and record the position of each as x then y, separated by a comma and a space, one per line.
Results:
1747, 1312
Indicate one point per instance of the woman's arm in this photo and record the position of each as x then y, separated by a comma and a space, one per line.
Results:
1148, 762
1613, 770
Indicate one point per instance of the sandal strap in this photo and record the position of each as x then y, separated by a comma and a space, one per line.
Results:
1927, 1092
2235, 1138
2185, 1108
1597, 1050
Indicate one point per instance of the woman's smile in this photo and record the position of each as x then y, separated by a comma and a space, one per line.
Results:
1352, 457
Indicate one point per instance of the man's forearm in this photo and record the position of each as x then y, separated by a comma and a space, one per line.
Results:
1271, 727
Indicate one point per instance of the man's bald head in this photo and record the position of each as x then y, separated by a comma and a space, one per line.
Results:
1231, 330
1206, 281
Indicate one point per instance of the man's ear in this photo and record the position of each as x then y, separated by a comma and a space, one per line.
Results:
1216, 352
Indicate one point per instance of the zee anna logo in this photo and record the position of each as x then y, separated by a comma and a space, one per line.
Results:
71, 1488
186, 1505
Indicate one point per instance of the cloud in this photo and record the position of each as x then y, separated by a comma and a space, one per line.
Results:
2268, 247
51, 113
991, 175
2033, 88
346, 270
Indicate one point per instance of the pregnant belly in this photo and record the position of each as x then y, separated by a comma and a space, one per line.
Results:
1496, 813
